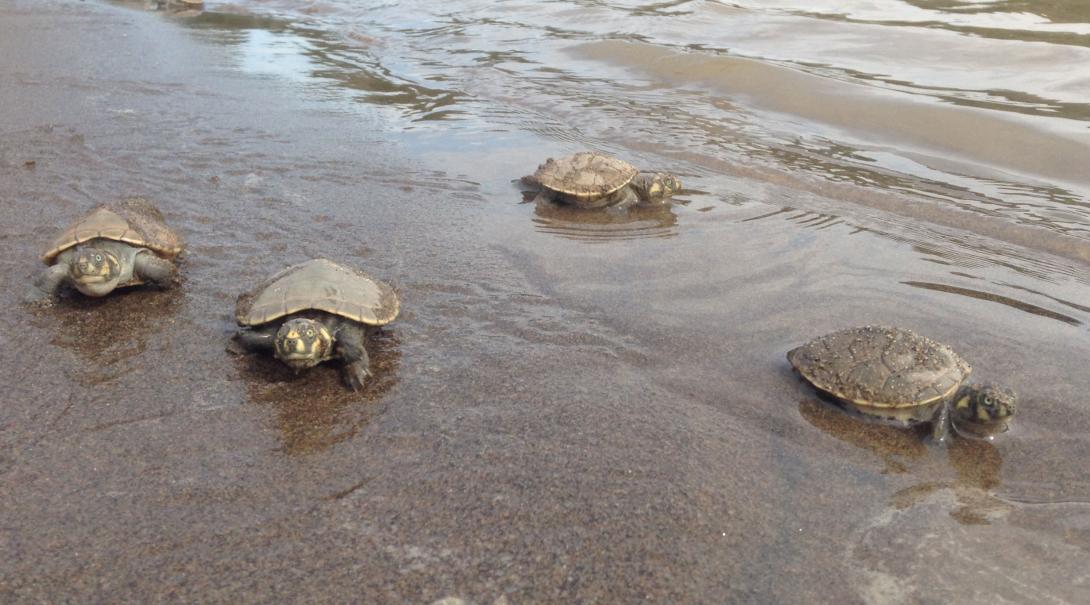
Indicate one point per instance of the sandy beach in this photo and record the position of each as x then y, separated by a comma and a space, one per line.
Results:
570, 408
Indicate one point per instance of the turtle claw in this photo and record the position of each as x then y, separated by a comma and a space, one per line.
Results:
37, 298
233, 347
355, 377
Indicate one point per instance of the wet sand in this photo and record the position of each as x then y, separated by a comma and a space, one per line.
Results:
569, 410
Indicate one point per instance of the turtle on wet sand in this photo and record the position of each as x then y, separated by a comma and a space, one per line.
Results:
594, 180
112, 246
897, 375
312, 312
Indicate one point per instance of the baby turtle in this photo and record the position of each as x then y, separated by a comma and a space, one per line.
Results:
898, 375
312, 312
594, 180
114, 245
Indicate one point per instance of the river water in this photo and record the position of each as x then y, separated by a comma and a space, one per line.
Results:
573, 407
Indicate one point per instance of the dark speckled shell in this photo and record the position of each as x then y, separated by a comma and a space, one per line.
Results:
877, 368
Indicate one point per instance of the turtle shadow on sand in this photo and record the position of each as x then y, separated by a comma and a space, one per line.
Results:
976, 463
314, 411
977, 466
107, 331
895, 446
603, 224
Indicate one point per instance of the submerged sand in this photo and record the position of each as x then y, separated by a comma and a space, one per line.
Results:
569, 409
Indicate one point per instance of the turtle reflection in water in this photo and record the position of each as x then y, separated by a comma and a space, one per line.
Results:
112, 246
636, 222
313, 312
595, 180
899, 376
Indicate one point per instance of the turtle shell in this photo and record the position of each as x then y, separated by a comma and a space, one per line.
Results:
586, 175
879, 368
133, 221
320, 285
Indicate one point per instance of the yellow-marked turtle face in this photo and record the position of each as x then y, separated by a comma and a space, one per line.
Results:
94, 272
662, 186
302, 343
983, 410
669, 183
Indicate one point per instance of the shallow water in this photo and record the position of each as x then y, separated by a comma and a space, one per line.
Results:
573, 407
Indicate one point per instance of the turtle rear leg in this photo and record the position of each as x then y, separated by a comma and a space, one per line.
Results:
151, 268
356, 361
47, 285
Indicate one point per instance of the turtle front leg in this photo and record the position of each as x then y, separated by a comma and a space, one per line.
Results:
47, 285
625, 197
250, 340
356, 361
152, 269
940, 424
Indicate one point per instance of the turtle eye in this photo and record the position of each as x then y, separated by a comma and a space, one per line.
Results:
98, 258
988, 401
310, 333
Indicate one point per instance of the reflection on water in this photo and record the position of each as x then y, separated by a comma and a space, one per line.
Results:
605, 224
896, 446
314, 411
802, 218
996, 298
976, 463
966, 256
977, 466
330, 63
1066, 303
1003, 19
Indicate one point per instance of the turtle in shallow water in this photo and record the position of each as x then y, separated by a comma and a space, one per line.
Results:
594, 180
900, 376
312, 312
112, 246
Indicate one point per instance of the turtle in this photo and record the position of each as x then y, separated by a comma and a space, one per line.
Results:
897, 375
312, 312
594, 180
114, 245
183, 7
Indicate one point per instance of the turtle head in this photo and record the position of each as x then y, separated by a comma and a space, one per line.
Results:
658, 186
94, 271
983, 411
303, 343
